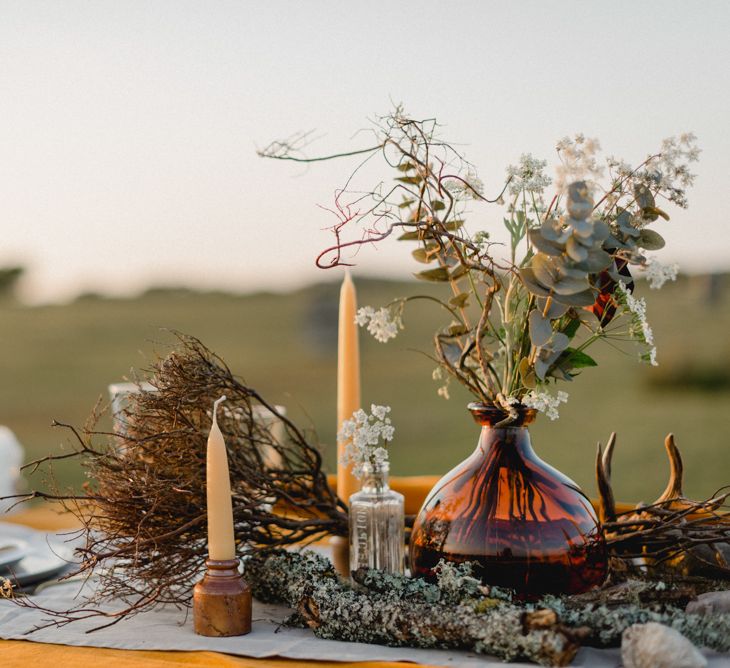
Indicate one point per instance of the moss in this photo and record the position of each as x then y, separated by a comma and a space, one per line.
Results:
458, 612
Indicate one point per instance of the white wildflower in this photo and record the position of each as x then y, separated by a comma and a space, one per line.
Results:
669, 173
467, 186
545, 402
640, 326
528, 175
437, 373
380, 455
620, 169
578, 161
481, 241
443, 391
657, 274
362, 434
382, 324
379, 412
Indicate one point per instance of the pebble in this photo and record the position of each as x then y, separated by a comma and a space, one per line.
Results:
654, 645
710, 603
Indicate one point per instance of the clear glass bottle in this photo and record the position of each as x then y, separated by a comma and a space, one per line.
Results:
377, 523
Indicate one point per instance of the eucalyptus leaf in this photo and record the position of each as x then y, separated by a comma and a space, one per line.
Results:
597, 260
422, 255
576, 250
553, 230
541, 368
623, 222
555, 310
527, 374
655, 211
460, 271
531, 283
460, 300
542, 244
585, 298
409, 180
558, 343
614, 243
545, 270
452, 352
568, 285
601, 231
582, 228
457, 329
586, 242
453, 225
545, 359
650, 240
580, 202
437, 275
644, 197
540, 329
568, 269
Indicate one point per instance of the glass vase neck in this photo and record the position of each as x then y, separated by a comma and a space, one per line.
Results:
375, 477
489, 415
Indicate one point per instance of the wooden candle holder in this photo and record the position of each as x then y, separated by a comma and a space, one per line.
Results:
222, 601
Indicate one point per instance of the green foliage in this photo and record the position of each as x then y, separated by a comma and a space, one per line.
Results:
9, 277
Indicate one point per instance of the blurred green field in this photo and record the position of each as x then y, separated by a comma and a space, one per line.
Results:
57, 360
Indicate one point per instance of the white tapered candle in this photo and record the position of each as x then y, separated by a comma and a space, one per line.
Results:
221, 545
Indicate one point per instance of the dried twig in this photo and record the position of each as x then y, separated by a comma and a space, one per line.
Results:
143, 509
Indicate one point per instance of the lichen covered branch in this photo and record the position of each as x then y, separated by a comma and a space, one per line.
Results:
398, 611
459, 613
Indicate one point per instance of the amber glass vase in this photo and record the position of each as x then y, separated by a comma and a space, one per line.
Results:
525, 525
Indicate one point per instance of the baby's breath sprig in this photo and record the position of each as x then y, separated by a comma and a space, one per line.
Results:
362, 434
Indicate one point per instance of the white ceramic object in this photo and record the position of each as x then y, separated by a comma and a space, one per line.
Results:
12, 550
119, 396
46, 554
11, 459
654, 645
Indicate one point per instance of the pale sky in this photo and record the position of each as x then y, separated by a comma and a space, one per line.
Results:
128, 129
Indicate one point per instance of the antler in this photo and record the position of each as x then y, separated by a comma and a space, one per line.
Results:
673, 491
606, 501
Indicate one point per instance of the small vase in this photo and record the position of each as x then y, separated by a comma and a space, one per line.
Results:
525, 525
377, 523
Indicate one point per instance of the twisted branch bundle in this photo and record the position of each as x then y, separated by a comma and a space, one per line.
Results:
143, 507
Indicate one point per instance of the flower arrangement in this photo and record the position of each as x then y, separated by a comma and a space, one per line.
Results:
521, 316
362, 434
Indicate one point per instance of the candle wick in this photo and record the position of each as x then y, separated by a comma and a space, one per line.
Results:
215, 409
